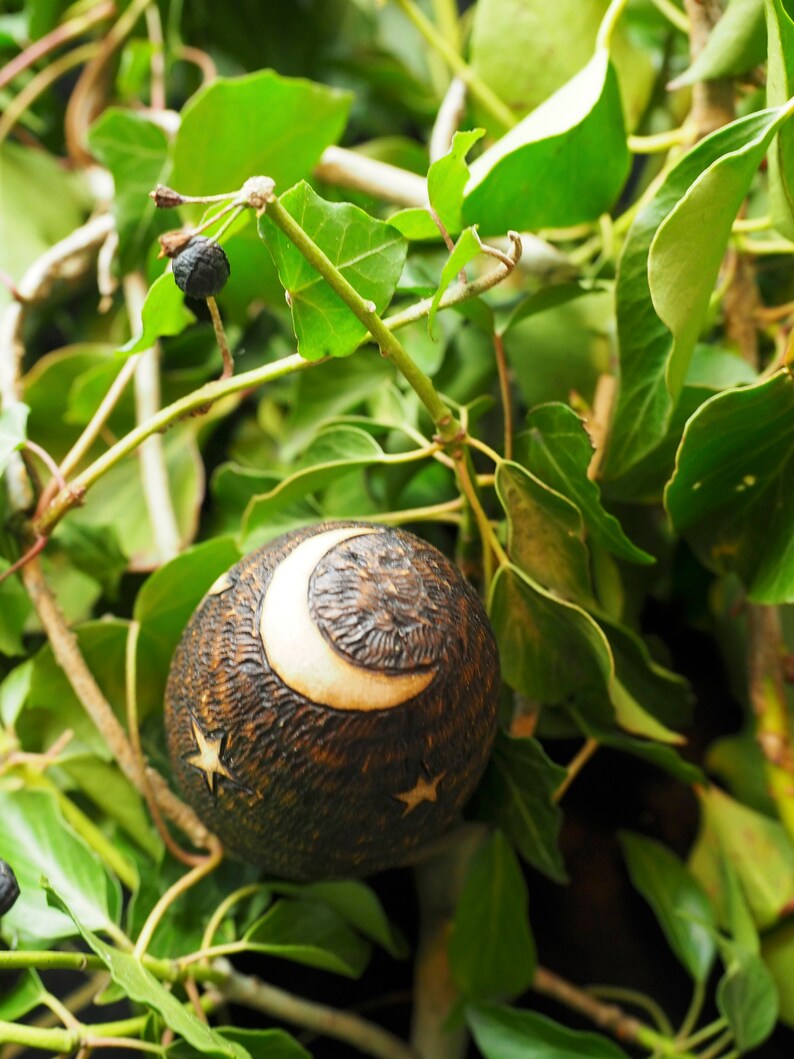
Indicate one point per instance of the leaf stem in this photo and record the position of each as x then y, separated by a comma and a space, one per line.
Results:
703, 1034
636, 999
608, 23
390, 346
479, 90
578, 762
673, 14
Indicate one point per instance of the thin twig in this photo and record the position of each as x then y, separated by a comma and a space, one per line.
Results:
154, 28
504, 393
448, 119
349, 169
223, 342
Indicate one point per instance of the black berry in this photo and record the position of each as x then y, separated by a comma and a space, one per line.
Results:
9, 887
201, 268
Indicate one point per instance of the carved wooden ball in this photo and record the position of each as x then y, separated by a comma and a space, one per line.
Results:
332, 703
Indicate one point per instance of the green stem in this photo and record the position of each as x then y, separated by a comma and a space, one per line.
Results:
479, 90
693, 1013
390, 346
48, 1040
703, 1035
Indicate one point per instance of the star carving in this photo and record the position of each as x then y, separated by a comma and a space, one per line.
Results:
207, 758
422, 791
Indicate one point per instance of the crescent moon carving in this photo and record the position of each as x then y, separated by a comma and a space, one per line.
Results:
298, 652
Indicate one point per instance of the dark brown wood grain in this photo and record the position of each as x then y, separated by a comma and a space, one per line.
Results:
309, 791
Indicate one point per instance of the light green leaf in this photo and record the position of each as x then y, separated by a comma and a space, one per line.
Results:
369, 254
13, 430
545, 533
14, 692
557, 449
681, 283
15, 608
447, 178
649, 387
465, 250
679, 902
747, 998
164, 313
517, 792
506, 1033
312, 933
729, 480
564, 164
736, 44
779, 88
491, 948
37, 841
23, 997
141, 986
262, 123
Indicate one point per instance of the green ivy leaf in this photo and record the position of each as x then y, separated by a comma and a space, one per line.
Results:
135, 150
506, 1033
13, 430
564, 164
736, 44
223, 137
465, 250
140, 985
779, 88
24, 996
714, 176
369, 253
747, 998
96, 551
679, 902
729, 481
14, 691
491, 948
557, 449
447, 178
312, 933
37, 841
164, 313
15, 608
545, 535
516, 793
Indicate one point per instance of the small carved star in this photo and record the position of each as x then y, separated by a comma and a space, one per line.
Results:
208, 758
423, 791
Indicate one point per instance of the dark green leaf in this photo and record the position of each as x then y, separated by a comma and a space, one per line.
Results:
265, 1044
557, 450
506, 1033
747, 998
13, 430
679, 903
37, 841
140, 985
545, 533
15, 608
564, 164
95, 550
491, 949
369, 254
780, 88
730, 480
517, 793
312, 933
718, 171
263, 123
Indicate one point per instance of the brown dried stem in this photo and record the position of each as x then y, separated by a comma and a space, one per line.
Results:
712, 101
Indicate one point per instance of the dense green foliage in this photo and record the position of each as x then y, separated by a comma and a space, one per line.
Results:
594, 418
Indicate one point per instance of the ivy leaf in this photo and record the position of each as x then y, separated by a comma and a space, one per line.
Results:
369, 253
747, 997
135, 150
465, 250
506, 1033
564, 164
164, 313
713, 177
729, 481
779, 88
223, 138
679, 902
36, 840
545, 533
13, 430
22, 997
557, 449
312, 933
447, 178
140, 985
516, 793
736, 44
15, 608
491, 948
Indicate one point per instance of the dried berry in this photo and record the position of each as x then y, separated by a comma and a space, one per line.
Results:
202, 268
9, 887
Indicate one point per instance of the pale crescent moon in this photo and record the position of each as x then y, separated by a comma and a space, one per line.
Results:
300, 655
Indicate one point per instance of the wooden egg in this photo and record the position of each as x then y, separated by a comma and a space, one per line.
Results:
333, 700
